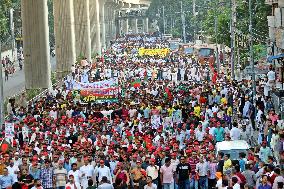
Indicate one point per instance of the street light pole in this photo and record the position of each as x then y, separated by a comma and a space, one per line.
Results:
183, 22
233, 28
1, 91
216, 43
12, 28
251, 48
194, 17
164, 21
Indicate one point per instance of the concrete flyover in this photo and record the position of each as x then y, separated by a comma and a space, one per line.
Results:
82, 28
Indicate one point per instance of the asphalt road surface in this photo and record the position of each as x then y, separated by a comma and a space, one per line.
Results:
16, 82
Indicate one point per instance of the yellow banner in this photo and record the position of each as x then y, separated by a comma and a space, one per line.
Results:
153, 52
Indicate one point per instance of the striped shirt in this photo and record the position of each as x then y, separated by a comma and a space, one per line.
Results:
192, 162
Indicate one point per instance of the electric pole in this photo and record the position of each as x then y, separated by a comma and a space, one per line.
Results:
194, 17
1, 91
183, 22
216, 43
12, 29
164, 21
233, 42
251, 48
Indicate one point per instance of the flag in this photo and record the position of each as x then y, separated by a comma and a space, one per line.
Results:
136, 83
168, 93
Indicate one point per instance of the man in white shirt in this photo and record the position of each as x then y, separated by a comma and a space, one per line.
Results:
153, 171
102, 171
278, 179
235, 183
235, 132
87, 171
75, 172
72, 184
13, 171
105, 184
199, 134
17, 159
271, 76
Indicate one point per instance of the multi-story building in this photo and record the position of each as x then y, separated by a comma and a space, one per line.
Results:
276, 25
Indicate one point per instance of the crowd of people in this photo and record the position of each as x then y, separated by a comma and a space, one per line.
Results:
160, 131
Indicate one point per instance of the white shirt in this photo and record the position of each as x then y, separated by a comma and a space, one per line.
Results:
77, 174
271, 75
72, 186
236, 186
105, 186
154, 186
276, 180
199, 135
53, 114
12, 170
153, 171
88, 170
103, 171
235, 133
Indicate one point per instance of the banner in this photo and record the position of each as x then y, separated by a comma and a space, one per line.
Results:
113, 82
99, 95
9, 131
154, 52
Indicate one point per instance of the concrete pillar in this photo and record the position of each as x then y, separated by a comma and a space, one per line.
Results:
125, 27
110, 21
146, 25
102, 23
95, 26
82, 28
64, 30
36, 43
135, 27
107, 15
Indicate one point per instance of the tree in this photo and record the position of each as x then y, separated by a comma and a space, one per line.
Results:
5, 6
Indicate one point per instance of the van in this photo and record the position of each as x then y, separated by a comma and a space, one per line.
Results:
233, 148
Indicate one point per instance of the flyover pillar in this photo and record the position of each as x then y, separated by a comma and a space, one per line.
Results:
36, 43
126, 26
95, 26
64, 29
107, 19
146, 25
82, 28
102, 23
135, 26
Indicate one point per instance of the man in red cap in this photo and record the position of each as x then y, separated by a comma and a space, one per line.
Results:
137, 174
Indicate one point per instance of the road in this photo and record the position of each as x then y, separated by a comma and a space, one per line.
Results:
16, 82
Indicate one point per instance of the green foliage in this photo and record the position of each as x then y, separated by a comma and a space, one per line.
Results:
31, 93
80, 58
5, 6
208, 11
53, 78
51, 22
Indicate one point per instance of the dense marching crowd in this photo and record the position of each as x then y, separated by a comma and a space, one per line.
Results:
160, 133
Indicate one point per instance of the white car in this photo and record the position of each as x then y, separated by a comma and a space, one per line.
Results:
233, 148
